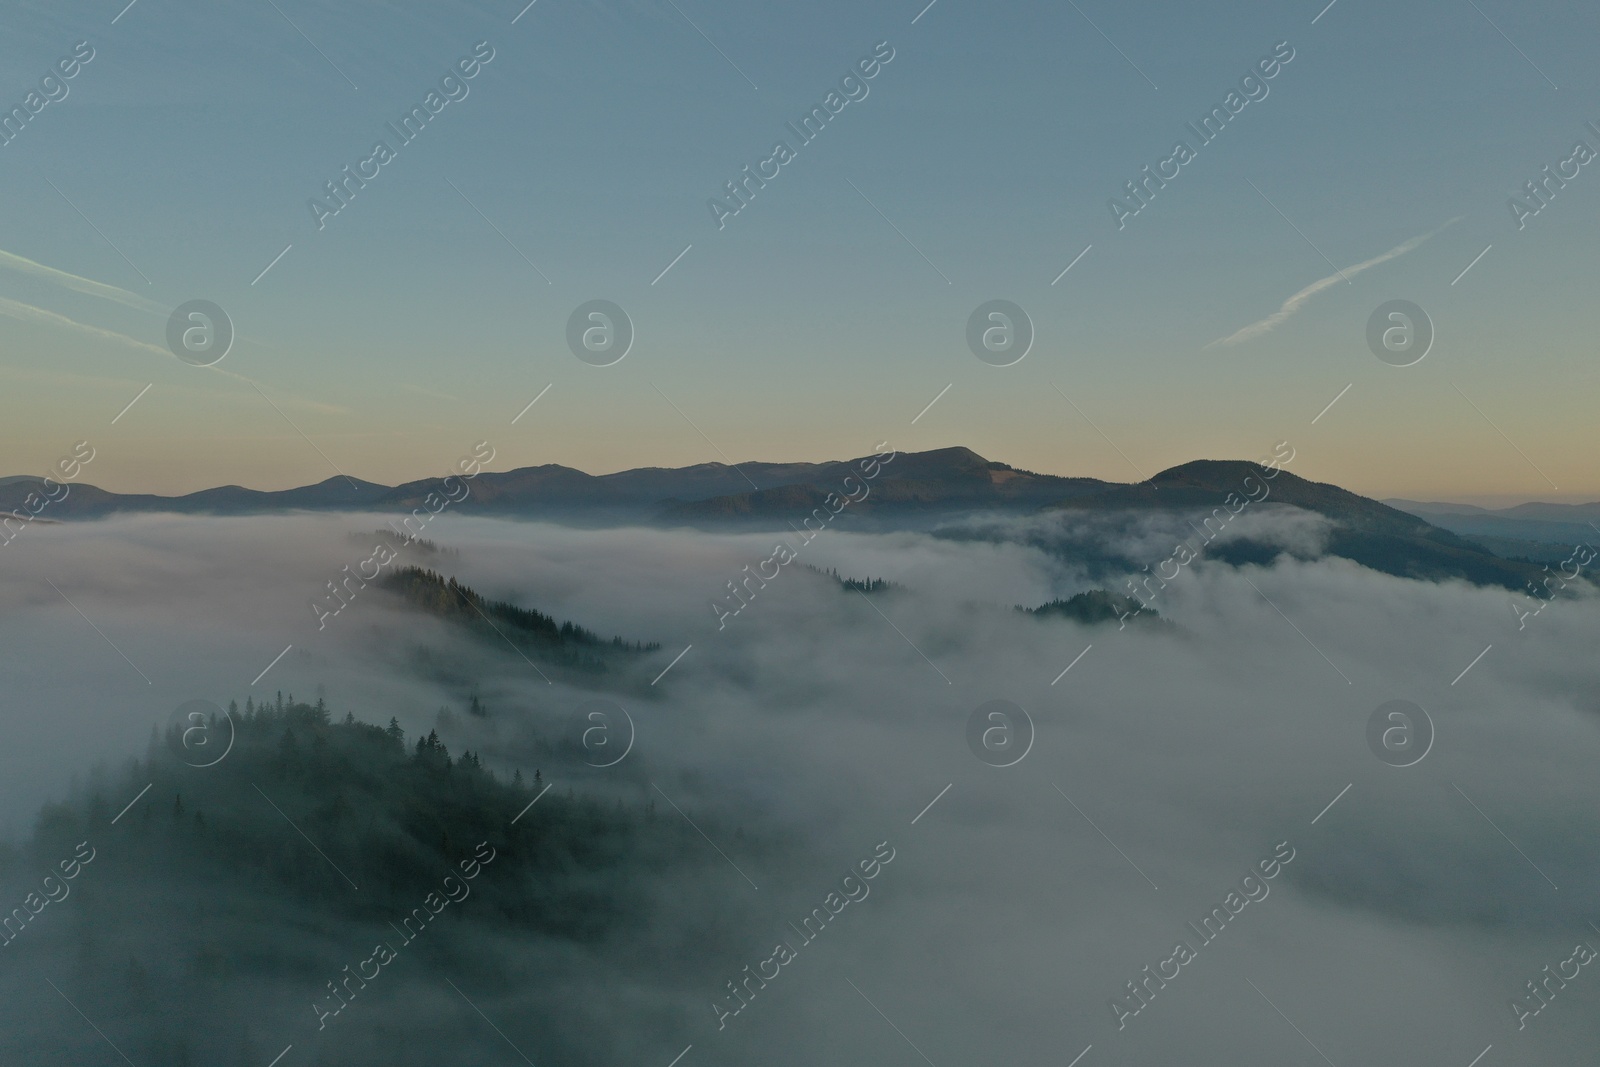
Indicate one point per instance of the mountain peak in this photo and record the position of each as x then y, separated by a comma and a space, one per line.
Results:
955, 454
1209, 473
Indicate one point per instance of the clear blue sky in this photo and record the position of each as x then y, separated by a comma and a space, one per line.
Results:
809, 327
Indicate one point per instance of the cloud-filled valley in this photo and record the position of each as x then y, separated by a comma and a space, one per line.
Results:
810, 728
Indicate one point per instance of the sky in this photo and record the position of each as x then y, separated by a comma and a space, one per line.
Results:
1232, 309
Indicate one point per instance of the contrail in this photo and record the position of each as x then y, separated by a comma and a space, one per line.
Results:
1298, 300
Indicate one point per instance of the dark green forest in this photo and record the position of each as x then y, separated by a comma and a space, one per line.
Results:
222, 901
1095, 606
563, 643
859, 585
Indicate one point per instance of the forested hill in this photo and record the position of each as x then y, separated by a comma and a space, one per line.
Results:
564, 642
1095, 606
209, 908
388, 816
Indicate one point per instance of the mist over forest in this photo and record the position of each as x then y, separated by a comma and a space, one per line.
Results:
700, 785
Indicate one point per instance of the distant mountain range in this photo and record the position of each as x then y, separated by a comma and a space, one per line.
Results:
948, 479
919, 489
1571, 514
1545, 533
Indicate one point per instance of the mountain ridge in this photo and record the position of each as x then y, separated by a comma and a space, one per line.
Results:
695, 483
553, 487
1363, 530
907, 490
